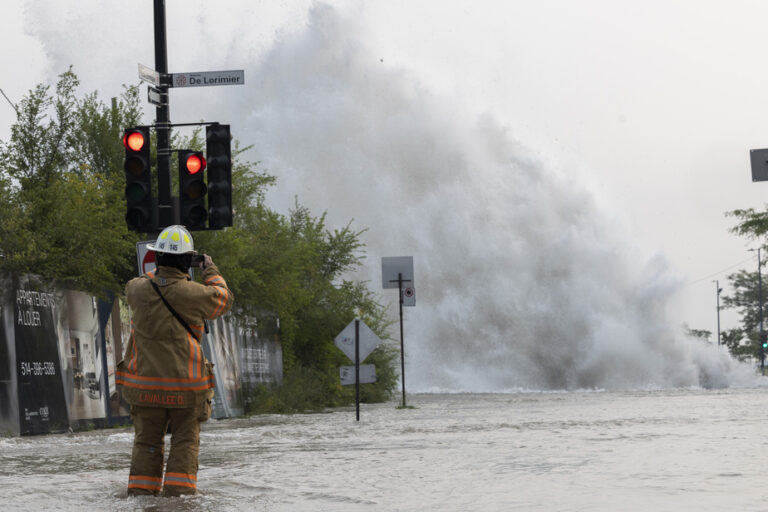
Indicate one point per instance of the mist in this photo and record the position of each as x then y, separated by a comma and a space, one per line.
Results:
523, 281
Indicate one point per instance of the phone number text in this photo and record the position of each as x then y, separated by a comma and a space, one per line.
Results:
37, 368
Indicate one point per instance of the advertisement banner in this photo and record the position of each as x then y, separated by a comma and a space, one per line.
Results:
82, 364
42, 405
220, 348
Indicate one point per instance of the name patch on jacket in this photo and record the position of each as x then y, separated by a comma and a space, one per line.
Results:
160, 398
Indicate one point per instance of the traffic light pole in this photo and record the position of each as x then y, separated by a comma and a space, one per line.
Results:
162, 123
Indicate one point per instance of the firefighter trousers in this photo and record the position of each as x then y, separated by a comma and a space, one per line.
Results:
150, 425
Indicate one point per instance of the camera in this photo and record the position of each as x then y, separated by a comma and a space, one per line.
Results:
197, 260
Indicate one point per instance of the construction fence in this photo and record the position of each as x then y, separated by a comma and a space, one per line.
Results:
59, 350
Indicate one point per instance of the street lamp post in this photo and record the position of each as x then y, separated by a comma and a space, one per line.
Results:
717, 287
760, 299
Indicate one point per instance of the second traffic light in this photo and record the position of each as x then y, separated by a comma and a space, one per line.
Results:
192, 189
138, 180
218, 149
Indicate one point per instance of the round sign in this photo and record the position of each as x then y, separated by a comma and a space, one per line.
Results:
408, 292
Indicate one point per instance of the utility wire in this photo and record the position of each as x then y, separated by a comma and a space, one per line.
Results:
721, 271
9, 101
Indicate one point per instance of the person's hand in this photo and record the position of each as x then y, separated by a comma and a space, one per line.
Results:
207, 261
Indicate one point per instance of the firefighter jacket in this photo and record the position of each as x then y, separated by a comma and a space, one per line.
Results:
164, 365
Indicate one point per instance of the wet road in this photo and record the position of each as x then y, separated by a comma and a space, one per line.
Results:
591, 451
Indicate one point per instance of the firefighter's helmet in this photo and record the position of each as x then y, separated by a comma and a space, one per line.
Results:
174, 240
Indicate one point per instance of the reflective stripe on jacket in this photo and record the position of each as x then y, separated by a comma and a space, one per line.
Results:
164, 365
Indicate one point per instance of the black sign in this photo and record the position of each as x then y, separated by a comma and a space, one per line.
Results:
759, 160
42, 405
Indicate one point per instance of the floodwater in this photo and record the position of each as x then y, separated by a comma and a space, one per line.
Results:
675, 450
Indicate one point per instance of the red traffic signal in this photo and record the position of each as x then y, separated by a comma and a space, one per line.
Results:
192, 189
133, 140
138, 180
194, 163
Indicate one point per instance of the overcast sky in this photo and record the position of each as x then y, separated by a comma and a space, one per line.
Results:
654, 105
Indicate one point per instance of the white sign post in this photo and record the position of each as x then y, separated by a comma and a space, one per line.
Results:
357, 341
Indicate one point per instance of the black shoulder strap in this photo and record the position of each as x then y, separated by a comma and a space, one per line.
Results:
173, 311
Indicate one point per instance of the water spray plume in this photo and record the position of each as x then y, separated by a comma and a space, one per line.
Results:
522, 281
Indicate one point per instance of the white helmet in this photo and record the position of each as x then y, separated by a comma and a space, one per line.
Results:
173, 240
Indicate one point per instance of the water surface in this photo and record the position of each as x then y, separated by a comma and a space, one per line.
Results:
583, 451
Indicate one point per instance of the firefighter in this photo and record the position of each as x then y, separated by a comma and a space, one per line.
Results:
164, 375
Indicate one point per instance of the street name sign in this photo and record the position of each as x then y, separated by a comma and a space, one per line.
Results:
367, 374
205, 78
149, 75
346, 341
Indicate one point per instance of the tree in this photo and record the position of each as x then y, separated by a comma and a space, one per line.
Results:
61, 185
745, 341
745, 299
754, 224
701, 334
732, 338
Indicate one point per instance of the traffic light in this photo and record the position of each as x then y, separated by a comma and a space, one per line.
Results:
219, 153
138, 179
192, 189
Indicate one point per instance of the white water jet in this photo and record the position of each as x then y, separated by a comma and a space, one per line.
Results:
522, 282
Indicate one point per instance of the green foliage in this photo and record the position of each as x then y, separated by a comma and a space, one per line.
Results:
744, 342
754, 224
701, 334
311, 389
732, 338
302, 390
61, 188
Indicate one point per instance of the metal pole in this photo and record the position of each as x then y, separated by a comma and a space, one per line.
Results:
718, 290
760, 298
402, 345
357, 367
162, 122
